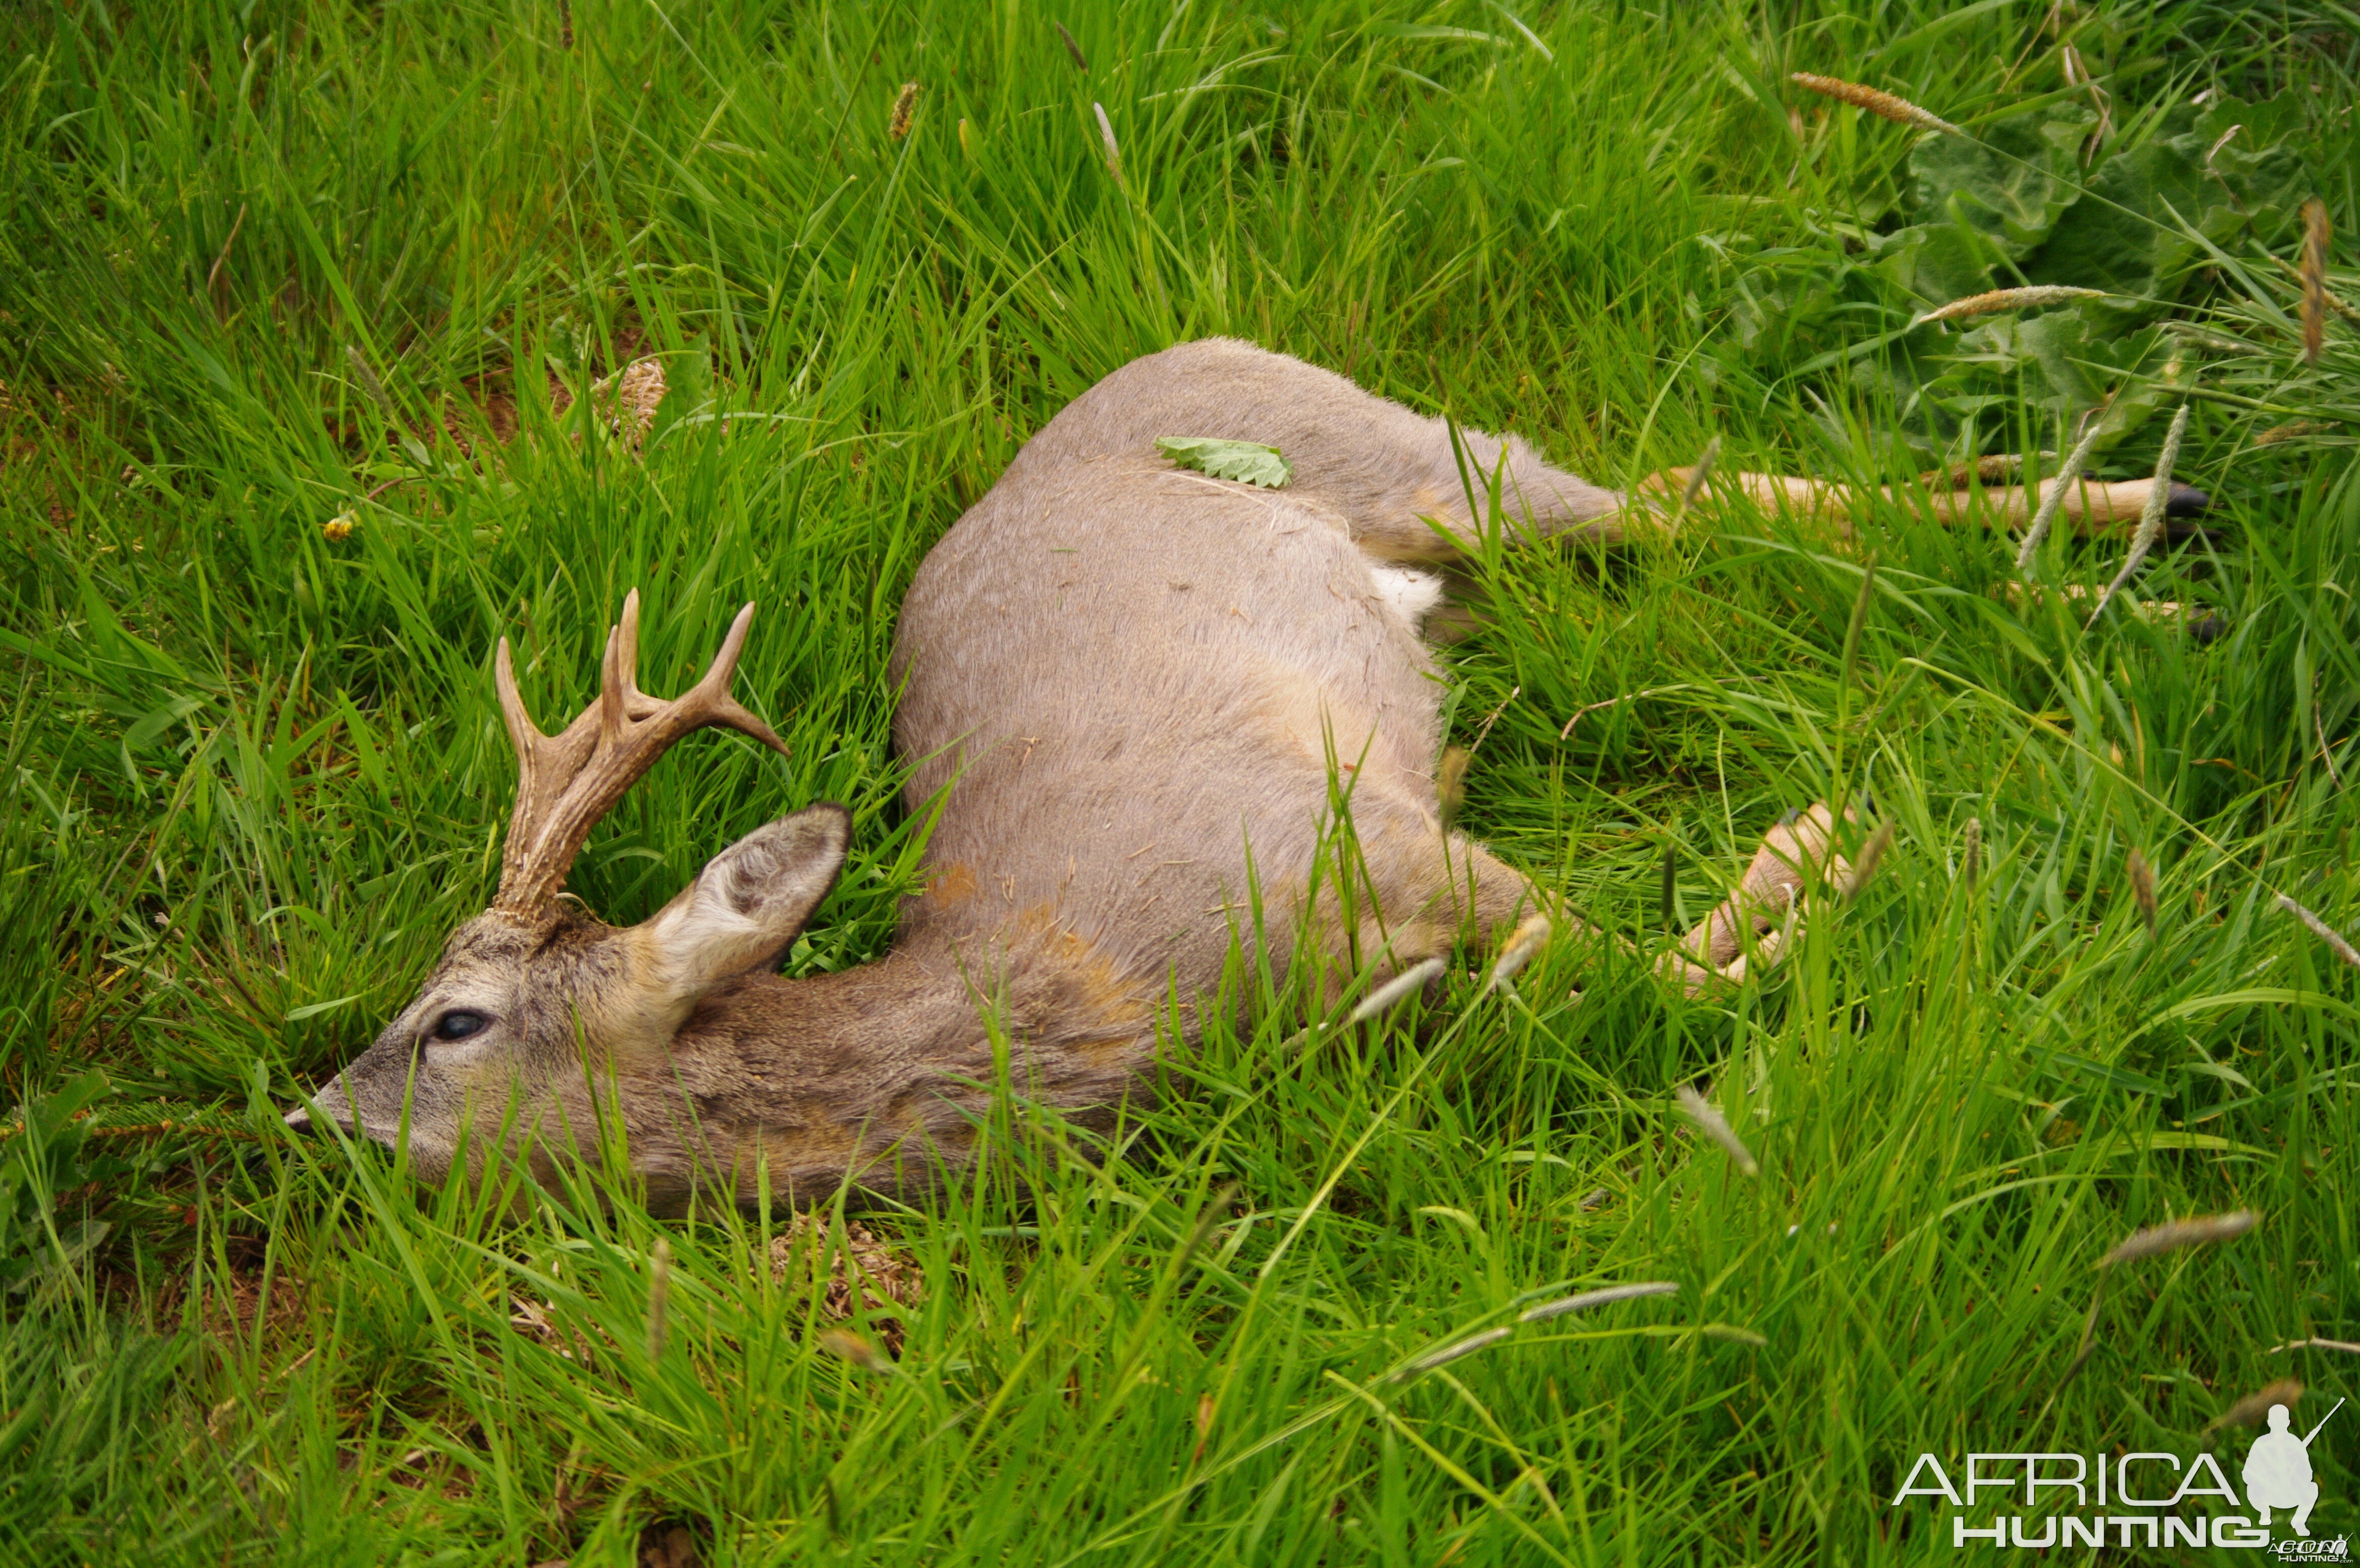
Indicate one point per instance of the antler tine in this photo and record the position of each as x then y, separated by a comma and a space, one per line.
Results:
614, 717
636, 703
710, 694
566, 783
522, 731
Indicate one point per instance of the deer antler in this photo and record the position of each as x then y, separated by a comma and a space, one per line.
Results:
565, 783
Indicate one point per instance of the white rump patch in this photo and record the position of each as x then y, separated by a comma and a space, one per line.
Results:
1408, 593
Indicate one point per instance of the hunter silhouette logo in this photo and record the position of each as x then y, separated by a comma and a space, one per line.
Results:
2277, 1471
2145, 1499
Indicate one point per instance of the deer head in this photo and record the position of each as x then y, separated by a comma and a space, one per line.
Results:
536, 997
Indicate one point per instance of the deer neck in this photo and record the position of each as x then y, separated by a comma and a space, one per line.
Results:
885, 1071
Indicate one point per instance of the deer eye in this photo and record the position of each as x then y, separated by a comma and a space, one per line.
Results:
458, 1024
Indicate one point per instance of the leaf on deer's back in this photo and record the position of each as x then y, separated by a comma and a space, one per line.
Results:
1247, 461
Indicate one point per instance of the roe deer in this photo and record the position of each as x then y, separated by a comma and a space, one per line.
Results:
1131, 678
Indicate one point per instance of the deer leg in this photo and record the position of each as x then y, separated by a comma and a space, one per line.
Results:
1428, 501
1747, 933
2111, 509
1754, 924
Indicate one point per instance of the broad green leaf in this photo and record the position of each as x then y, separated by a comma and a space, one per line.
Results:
2011, 181
1243, 460
2132, 236
1933, 264
2014, 204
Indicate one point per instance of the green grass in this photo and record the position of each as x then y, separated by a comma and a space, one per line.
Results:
251, 256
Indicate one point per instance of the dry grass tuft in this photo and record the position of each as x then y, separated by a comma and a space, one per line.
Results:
887, 1280
629, 396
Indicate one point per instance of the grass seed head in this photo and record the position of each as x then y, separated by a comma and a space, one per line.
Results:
366, 376
2046, 514
1701, 475
1863, 865
2315, 234
658, 1297
2142, 886
2173, 1235
2323, 930
1450, 783
1531, 936
1714, 1125
1453, 1352
1416, 977
1072, 49
1971, 851
2251, 1410
1734, 1334
846, 1346
905, 105
1606, 1296
1900, 111
2151, 524
1998, 300
1106, 135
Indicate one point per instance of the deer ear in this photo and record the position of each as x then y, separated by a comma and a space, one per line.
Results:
752, 899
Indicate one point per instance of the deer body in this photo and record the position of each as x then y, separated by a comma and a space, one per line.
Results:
1138, 686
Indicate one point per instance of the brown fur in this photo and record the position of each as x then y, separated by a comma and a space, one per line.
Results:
1139, 687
